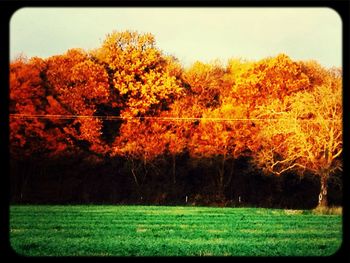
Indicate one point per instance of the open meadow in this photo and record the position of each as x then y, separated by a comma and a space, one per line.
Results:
94, 230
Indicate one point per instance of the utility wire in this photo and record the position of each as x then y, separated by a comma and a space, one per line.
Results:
112, 117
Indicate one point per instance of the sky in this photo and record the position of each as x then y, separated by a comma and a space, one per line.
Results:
190, 34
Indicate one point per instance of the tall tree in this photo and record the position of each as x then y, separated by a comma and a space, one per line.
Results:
268, 79
78, 85
57, 99
27, 98
146, 83
223, 134
140, 73
304, 133
140, 143
180, 126
206, 81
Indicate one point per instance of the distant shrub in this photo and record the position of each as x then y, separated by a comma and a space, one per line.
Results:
335, 210
292, 212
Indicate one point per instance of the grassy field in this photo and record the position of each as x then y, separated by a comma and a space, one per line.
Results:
171, 231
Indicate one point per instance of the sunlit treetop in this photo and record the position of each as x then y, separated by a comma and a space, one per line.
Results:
270, 78
207, 82
140, 73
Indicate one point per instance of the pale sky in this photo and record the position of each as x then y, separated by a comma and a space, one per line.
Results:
190, 34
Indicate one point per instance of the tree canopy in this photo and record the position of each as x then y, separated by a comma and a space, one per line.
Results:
127, 99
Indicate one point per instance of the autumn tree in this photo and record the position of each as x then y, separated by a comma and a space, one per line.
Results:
229, 131
180, 123
223, 135
139, 145
206, 82
303, 132
285, 97
58, 96
139, 73
129, 101
31, 140
219, 131
203, 84
52, 106
266, 80
317, 74
145, 83
28, 136
78, 85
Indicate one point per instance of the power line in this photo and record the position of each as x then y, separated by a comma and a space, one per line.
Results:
112, 117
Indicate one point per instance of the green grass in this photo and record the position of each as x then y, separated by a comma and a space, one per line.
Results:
171, 231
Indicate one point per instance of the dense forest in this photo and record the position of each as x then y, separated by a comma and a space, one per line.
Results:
127, 124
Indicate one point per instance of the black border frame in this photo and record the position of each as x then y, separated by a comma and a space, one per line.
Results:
8, 8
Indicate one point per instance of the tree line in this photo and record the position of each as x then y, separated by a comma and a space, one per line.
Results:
134, 121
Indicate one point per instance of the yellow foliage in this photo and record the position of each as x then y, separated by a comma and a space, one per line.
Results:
142, 75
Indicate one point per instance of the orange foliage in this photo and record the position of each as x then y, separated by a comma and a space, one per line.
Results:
79, 82
206, 82
269, 79
306, 134
286, 114
26, 95
140, 73
140, 140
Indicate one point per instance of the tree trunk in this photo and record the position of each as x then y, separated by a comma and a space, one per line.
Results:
60, 187
230, 174
174, 169
221, 185
26, 173
138, 188
133, 173
322, 198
